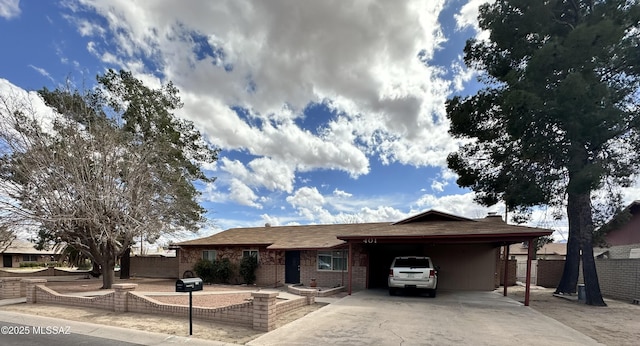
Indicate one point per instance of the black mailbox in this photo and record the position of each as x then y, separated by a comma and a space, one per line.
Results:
189, 285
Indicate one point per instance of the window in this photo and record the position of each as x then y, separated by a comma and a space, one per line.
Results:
209, 255
30, 258
332, 260
248, 253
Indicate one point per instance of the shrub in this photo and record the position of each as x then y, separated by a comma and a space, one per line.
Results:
32, 264
248, 267
223, 270
205, 270
84, 265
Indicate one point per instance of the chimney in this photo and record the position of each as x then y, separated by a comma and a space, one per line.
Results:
493, 217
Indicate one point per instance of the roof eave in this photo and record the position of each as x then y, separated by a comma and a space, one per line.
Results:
459, 237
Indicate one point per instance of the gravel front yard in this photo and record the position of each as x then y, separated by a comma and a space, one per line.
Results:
204, 300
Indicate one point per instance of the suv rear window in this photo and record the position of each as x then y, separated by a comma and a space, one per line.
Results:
412, 262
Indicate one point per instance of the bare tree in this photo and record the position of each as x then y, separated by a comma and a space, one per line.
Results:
6, 238
93, 180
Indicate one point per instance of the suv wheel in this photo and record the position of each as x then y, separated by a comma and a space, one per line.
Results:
392, 291
432, 293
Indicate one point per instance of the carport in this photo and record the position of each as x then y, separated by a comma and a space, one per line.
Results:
466, 250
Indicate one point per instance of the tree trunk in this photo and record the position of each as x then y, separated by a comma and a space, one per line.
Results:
591, 283
95, 269
580, 215
569, 280
108, 276
125, 264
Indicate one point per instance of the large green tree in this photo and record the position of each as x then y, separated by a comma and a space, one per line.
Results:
559, 117
109, 165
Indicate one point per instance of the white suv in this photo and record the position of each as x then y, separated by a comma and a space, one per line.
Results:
413, 272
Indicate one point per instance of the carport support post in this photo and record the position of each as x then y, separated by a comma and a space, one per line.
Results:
531, 253
349, 266
505, 274
190, 313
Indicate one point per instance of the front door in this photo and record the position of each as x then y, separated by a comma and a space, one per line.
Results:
7, 261
292, 267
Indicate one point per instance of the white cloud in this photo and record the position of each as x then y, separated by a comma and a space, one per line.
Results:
86, 27
468, 15
14, 98
458, 204
274, 59
340, 193
261, 172
242, 194
438, 186
9, 8
306, 197
42, 71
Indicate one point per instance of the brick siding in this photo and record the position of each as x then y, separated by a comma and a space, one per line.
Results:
271, 266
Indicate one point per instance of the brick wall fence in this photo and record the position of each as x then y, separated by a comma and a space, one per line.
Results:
549, 272
512, 271
260, 313
618, 278
154, 267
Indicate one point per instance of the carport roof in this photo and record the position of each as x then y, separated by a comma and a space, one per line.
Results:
428, 226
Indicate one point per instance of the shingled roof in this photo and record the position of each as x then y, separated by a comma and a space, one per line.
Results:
428, 226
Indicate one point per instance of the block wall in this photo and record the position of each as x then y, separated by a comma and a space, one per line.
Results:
154, 267
619, 278
512, 273
549, 272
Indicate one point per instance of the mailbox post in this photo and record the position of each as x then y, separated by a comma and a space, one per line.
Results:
189, 285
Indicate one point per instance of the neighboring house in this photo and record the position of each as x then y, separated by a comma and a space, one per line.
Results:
550, 251
358, 255
622, 235
22, 251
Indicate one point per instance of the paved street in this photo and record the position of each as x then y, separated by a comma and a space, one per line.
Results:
26, 335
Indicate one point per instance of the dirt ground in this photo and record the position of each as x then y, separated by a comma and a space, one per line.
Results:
616, 324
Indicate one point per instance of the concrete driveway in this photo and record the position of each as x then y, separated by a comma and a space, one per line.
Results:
372, 317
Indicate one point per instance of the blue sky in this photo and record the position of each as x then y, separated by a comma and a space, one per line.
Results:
325, 111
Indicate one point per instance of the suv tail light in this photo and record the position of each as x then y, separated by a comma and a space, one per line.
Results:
432, 273
390, 272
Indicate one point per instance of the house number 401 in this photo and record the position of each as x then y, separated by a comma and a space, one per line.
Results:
370, 240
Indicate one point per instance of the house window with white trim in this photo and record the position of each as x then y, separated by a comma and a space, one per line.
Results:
209, 255
333, 260
249, 253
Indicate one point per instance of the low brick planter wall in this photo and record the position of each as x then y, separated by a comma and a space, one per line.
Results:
10, 288
304, 291
290, 305
238, 314
259, 314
